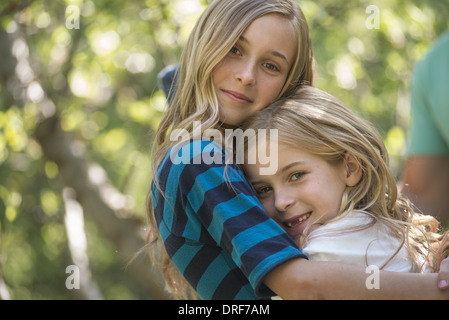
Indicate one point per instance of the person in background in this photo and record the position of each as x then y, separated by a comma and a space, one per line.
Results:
425, 178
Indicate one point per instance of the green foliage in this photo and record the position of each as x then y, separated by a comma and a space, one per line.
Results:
369, 66
101, 81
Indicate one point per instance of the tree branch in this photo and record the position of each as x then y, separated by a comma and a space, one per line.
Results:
125, 230
122, 228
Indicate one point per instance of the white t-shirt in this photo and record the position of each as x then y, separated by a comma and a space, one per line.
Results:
367, 247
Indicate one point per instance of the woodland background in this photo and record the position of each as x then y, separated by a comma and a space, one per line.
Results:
79, 105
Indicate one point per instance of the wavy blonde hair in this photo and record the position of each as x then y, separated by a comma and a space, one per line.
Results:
320, 124
213, 36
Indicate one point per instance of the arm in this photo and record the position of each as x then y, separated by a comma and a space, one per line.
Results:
426, 183
303, 279
213, 205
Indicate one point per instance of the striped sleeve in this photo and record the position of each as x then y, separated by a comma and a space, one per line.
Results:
214, 205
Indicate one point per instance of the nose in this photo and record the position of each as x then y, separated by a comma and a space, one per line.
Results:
247, 74
283, 201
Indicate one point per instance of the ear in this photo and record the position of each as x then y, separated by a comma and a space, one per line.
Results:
353, 170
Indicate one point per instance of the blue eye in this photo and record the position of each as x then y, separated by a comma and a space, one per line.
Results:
297, 176
271, 67
263, 190
234, 50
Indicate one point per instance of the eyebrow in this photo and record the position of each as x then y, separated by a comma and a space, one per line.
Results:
273, 52
284, 169
293, 164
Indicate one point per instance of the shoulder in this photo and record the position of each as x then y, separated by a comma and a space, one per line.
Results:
359, 240
338, 234
434, 59
196, 152
197, 160
440, 48
353, 219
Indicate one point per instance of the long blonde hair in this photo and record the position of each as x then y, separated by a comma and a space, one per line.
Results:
213, 36
322, 125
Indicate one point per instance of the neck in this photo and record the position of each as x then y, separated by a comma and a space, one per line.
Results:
223, 126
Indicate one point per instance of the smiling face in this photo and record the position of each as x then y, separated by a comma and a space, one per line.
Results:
253, 73
305, 190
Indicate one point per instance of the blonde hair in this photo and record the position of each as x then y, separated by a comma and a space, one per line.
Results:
213, 36
322, 125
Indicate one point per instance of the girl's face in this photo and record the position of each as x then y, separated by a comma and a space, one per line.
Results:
253, 73
304, 190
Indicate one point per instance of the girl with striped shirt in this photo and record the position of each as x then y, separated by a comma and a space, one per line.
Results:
209, 232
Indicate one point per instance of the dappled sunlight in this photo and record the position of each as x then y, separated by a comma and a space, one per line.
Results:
77, 240
80, 105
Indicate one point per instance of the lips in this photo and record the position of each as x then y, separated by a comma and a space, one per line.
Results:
236, 96
296, 221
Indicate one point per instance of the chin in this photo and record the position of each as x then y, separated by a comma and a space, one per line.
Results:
232, 117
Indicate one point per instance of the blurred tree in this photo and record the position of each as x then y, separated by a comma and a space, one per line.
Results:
79, 105
365, 52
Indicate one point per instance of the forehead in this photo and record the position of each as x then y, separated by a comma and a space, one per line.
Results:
269, 153
272, 31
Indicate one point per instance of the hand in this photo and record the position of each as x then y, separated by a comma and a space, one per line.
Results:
443, 275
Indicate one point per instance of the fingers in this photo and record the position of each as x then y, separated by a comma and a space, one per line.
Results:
443, 275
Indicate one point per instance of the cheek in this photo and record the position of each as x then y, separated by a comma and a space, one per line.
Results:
321, 196
270, 91
220, 71
334, 199
216, 75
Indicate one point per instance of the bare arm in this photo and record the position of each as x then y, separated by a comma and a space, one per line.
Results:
426, 183
302, 279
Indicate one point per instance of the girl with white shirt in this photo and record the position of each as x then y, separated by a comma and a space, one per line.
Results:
333, 192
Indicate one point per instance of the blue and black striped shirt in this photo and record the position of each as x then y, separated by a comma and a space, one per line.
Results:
213, 226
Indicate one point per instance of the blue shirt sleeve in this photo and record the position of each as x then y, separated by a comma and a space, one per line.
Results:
215, 205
